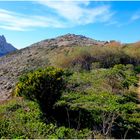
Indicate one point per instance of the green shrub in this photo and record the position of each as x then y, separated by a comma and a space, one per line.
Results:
102, 99
126, 74
43, 86
137, 69
22, 119
78, 60
103, 112
83, 58
68, 133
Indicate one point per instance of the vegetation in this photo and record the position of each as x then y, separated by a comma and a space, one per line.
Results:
92, 95
80, 58
22, 119
103, 104
43, 86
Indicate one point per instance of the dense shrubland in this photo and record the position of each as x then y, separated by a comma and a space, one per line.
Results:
94, 96
22, 119
105, 57
103, 104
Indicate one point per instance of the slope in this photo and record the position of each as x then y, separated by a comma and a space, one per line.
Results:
34, 56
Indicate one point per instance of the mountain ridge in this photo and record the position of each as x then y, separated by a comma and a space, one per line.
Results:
69, 40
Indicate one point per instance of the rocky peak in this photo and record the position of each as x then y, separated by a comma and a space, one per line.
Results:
69, 40
5, 47
73, 37
2, 38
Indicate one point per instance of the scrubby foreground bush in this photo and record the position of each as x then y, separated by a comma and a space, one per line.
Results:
43, 86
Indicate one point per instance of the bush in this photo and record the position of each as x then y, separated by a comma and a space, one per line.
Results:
102, 99
22, 119
127, 74
137, 69
43, 86
79, 59
68, 133
83, 58
105, 113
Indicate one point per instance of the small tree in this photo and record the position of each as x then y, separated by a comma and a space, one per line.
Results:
43, 86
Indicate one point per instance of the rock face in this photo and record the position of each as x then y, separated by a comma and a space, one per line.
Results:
5, 47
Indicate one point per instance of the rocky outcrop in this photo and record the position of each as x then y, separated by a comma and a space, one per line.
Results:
5, 47
70, 40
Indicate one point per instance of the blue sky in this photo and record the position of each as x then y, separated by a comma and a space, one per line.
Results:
26, 22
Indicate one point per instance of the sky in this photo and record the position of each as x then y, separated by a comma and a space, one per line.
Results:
26, 22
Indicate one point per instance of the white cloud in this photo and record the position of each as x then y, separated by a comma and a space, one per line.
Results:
14, 21
136, 16
62, 14
78, 12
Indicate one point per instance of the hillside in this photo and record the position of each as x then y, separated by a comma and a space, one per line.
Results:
61, 51
36, 55
71, 87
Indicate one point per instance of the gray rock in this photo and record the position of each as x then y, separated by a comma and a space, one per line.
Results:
5, 47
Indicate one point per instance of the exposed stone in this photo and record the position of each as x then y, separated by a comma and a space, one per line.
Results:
5, 47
